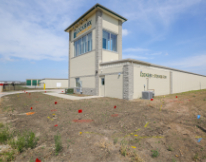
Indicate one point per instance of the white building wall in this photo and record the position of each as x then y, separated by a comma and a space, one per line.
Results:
87, 82
186, 82
114, 86
160, 85
109, 23
109, 56
113, 81
53, 83
83, 65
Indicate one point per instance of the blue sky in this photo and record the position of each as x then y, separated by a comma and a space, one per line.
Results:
33, 43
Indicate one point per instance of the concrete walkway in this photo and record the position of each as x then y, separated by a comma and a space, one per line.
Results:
70, 97
51, 92
29, 91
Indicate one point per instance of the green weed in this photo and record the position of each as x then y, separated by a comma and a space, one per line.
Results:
195, 157
123, 148
170, 148
1, 125
4, 135
24, 141
58, 144
9, 156
155, 153
115, 140
173, 160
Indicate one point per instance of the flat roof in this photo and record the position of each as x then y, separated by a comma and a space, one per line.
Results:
33, 79
146, 63
54, 79
93, 8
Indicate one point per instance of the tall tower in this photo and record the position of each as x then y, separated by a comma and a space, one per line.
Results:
94, 38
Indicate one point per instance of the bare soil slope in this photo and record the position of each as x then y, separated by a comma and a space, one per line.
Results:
167, 125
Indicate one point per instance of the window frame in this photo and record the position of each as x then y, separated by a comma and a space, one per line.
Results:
110, 42
79, 42
77, 81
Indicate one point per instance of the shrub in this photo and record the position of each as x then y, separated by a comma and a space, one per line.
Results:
155, 153
31, 140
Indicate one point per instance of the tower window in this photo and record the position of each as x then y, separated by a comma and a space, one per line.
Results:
109, 41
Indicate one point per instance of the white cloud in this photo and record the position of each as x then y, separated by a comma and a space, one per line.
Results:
155, 54
151, 16
34, 30
135, 50
166, 54
125, 32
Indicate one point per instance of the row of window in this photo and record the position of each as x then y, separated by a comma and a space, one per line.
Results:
84, 44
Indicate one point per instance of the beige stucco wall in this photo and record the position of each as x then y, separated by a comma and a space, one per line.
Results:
113, 82
83, 65
113, 86
114, 69
109, 56
161, 86
109, 23
53, 83
72, 82
186, 82
93, 38
87, 82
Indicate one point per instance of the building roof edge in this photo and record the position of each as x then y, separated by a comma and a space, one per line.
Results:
91, 9
147, 63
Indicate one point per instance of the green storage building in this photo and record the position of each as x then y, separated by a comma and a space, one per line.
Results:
33, 82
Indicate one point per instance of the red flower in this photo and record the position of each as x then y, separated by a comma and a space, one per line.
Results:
62, 91
55, 102
56, 125
176, 96
115, 107
37, 160
80, 111
31, 108
45, 91
151, 99
114, 115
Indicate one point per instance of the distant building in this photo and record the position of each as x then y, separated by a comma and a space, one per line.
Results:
54, 83
33, 82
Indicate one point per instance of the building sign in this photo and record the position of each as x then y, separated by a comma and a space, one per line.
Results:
83, 28
152, 75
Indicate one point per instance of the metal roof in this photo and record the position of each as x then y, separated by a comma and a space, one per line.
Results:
148, 64
93, 8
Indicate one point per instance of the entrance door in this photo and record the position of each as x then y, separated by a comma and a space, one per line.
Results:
102, 86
